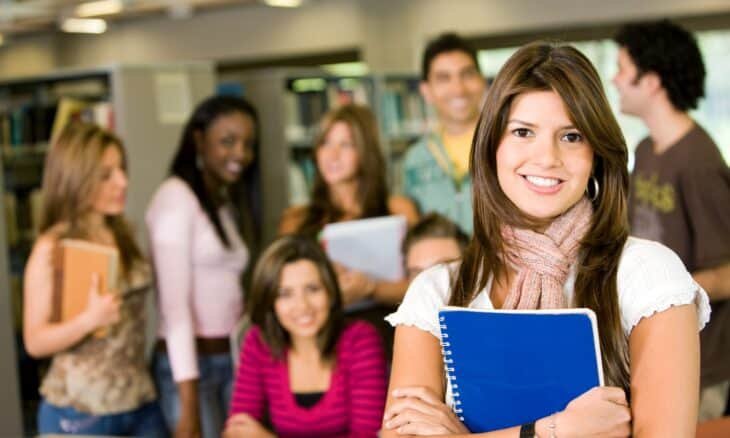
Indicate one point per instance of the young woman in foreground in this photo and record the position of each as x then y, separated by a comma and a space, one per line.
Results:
549, 165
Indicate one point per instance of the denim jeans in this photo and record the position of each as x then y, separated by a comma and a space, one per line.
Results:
214, 391
145, 421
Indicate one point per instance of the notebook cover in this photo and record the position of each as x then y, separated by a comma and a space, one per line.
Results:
79, 261
512, 367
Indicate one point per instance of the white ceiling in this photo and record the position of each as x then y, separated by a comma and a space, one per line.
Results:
29, 16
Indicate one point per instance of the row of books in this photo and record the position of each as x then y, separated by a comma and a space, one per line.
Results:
22, 217
305, 106
403, 109
25, 123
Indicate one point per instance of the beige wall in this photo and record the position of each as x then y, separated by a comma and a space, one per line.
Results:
28, 55
391, 33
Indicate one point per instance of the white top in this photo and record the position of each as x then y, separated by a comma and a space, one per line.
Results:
651, 278
198, 278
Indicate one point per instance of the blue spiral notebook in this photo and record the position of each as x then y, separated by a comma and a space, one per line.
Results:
510, 367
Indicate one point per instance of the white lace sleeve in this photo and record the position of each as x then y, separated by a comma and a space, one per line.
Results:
651, 279
426, 295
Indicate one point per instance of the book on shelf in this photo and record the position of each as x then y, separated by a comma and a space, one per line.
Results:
24, 122
77, 262
69, 109
304, 108
403, 109
371, 246
11, 218
511, 367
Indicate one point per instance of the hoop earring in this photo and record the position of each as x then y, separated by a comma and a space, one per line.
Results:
596, 189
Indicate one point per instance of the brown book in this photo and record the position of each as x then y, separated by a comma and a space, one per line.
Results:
78, 261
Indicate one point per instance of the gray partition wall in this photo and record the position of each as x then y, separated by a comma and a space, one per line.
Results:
11, 423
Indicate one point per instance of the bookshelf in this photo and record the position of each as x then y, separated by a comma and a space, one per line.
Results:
146, 105
291, 102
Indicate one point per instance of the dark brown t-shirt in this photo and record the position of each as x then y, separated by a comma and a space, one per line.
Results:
681, 198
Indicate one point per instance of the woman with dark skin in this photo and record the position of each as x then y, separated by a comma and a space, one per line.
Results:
199, 251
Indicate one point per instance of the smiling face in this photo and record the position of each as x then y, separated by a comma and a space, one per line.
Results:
111, 192
302, 304
543, 161
226, 147
455, 88
337, 157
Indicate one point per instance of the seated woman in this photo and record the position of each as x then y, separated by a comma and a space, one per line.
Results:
349, 184
549, 165
314, 374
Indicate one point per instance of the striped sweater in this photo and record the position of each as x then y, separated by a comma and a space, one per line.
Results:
351, 407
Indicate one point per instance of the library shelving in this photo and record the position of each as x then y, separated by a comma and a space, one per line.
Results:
145, 105
291, 102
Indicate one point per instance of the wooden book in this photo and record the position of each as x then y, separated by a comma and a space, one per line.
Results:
78, 261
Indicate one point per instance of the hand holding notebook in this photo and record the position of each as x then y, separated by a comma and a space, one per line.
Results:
87, 283
508, 368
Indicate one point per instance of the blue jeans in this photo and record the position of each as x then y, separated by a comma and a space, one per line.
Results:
214, 391
145, 421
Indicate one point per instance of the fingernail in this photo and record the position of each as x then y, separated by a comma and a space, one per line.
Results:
396, 393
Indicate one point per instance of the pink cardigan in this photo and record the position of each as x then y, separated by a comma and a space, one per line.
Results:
197, 278
351, 407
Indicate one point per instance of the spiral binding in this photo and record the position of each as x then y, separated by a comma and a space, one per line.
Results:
449, 367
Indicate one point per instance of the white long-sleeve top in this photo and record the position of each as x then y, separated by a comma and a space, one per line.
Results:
197, 277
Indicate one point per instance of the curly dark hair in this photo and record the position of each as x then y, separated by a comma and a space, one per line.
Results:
672, 53
447, 42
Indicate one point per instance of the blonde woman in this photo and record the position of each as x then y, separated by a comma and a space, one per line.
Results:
95, 385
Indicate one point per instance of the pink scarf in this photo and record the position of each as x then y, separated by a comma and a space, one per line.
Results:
543, 260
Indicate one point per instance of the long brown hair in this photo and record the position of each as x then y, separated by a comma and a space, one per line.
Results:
71, 178
564, 70
372, 191
265, 290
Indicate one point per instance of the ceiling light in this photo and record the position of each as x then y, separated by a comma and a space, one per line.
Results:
284, 3
98, 8
83, 25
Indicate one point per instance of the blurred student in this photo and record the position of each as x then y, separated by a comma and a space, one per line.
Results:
301, 363
199, 256
349, 184
432, 241
436, 169
96, 385
551, 231
680, 191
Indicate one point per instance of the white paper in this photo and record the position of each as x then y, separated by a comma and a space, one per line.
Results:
371, 246
174, 101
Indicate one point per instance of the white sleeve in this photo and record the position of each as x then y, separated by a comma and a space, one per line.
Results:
651, 278
426, 295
